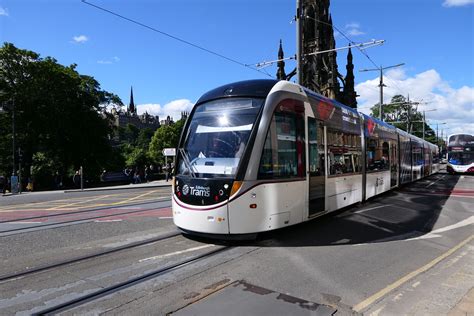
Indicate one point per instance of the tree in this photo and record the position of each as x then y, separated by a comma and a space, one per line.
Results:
57, 114
165, 137
404, 115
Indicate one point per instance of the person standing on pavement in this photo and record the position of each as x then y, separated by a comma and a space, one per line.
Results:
3, 184
76, 179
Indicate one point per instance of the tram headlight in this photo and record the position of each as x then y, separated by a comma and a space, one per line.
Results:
235, 187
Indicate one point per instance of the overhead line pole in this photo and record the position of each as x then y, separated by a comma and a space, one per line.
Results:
381, 84
299, 48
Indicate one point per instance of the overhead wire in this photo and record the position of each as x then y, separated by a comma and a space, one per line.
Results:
362, 51
175, 38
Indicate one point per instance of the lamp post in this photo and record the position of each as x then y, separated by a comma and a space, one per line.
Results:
437, 126
381, 84
424, 121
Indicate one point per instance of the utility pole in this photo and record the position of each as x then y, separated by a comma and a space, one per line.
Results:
13, 137
424, 121
299, 48
381, 84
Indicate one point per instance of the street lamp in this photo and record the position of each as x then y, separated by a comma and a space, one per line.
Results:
437, 125
381, 85
424, 120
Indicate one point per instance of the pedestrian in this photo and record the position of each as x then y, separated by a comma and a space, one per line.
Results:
168, 170
76, 179
29, 186
3, 182
147, 174
136, 177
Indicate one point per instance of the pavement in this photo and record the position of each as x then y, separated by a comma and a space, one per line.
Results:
151, 184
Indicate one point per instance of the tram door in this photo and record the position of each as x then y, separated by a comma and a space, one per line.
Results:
316, 166
393, 164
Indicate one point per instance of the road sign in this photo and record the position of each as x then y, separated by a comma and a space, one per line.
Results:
169, 152
14, 184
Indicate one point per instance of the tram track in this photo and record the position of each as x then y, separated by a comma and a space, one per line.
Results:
54, 225
80, 212
50, 266
81, 300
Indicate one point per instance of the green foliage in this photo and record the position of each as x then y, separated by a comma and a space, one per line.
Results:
404, 115
57, 113
42, 170
164, 137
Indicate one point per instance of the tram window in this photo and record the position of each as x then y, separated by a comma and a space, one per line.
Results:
344, 151
417, 153
435, 156
377, 155
283, 152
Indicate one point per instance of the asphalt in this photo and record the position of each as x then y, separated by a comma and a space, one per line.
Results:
151, 184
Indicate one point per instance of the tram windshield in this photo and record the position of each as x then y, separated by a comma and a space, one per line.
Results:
217, 137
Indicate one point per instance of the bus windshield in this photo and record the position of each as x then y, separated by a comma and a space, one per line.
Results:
217, 136
461, 158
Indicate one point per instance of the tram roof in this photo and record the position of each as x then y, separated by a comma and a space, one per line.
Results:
258, 88
378, 121
314, 95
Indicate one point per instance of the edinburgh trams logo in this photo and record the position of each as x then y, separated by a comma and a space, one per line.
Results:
198, 190
185, 189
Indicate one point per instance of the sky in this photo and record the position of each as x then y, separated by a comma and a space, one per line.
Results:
433, 38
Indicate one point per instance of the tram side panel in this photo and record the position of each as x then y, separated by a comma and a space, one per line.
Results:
405, 158
279, 161
267, 206
344, 158
379, 137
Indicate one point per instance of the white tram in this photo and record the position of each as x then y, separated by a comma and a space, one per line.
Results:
260, 155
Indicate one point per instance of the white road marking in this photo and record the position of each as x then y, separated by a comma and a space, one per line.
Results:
372, 208
435, 181
414, 285
25, 223
165, 217
176, 253
107, 220
434, 233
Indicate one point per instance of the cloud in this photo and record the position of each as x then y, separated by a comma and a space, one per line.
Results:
112, 60
451, 105
353, 29
457, 3
173, 108
80, 39
3, 11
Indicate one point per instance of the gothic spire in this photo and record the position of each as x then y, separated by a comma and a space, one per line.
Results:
349, 94
131, 106
281, 75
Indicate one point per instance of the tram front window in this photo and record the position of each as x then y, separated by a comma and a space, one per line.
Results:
217, 137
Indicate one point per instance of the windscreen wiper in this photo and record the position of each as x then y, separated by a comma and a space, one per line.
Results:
187, 162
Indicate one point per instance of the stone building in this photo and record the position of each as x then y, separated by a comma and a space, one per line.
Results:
145, 120
319, 72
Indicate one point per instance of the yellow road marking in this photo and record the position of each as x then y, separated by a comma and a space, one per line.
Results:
370, 300
122, 202
76, 203
13, 207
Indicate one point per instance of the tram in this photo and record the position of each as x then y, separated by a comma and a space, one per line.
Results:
460, 153
260, 155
